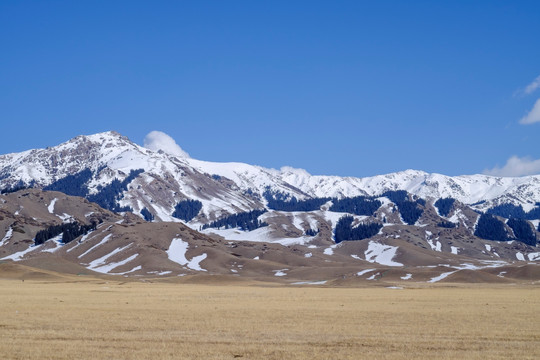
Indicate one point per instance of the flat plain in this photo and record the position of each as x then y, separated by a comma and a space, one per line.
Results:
91, 318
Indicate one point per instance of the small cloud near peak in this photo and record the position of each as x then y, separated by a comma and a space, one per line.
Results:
296, 171
158, 140
529, 89
533, 116
516, 166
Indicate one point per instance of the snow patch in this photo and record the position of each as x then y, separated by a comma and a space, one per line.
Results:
381, 254
310, 282
177, 253
520, 256
136, 268
330, 250
280, 272
106, 269
19, 255
372, 277
263, 234
103, 241
194, 264
57, 241
82, 239
406, 277
454, 250
99, 264
360, 273
51, 205
442, 276
435, 246
8, 235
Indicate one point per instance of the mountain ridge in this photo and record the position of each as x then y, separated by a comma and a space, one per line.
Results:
122, 155
249, 220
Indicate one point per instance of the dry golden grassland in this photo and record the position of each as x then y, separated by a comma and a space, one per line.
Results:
134, 320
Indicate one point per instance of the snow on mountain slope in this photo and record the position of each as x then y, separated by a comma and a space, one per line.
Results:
166, 179
225, 188
124, 244
468, 189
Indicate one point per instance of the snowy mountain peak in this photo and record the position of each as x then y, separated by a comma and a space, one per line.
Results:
170, 175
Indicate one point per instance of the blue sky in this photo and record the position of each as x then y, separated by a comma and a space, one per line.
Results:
347, 88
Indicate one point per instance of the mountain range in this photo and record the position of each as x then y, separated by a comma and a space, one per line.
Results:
149, 212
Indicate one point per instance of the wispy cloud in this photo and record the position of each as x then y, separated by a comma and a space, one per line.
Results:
157, 140
529, 89
516, 166
533, 116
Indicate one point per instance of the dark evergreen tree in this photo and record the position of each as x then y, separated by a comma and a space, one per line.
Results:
534, 214
345, 232
410, 210
359, 205
108, 196
396, 196
444, 205
311, 232
20, 185
74, 185
69, 231
187, 209
277, 202
522, 231
508, 211
147, 214
421, 201
246, 221
447, 224
490, 228
515, 211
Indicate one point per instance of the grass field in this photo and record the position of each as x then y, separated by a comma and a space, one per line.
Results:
110, 320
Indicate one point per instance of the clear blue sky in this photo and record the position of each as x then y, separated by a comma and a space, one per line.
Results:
352, 88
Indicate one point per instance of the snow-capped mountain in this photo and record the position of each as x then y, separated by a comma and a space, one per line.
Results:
225, 188
238, 211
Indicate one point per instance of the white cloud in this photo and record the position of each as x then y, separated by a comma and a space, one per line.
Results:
529, 89
157, 140
295, 171
533, 116
516, 166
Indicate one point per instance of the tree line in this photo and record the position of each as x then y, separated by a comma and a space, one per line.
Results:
187, 209
107, 196
490, 227
70, 231
444, 205
246, 221
345, 231
515, 211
